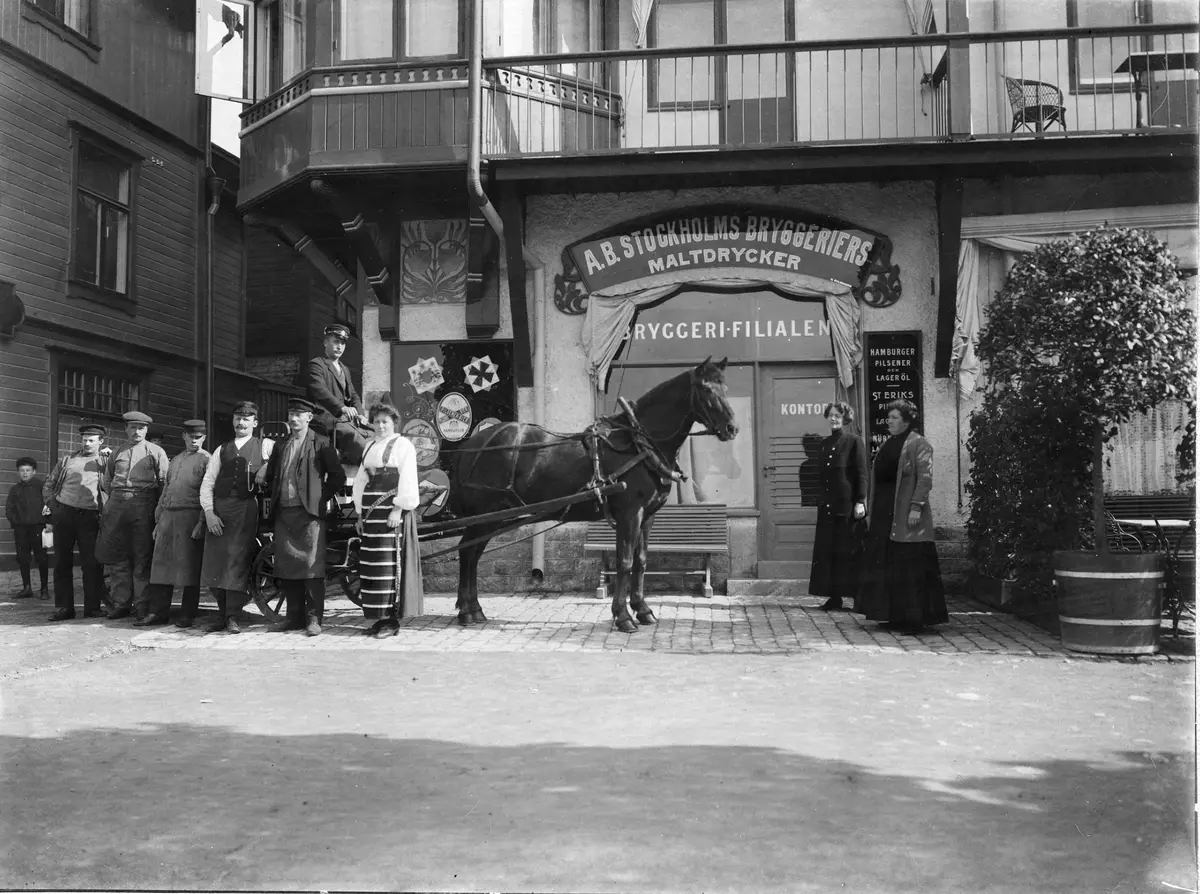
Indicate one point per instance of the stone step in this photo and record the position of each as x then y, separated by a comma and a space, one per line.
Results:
780, 570
776, 587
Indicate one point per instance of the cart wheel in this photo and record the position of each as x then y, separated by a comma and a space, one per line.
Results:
348, 579
264, 588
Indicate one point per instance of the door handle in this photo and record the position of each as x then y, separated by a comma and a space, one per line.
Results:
768, 469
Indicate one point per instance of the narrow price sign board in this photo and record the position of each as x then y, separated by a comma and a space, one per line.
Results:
893, 372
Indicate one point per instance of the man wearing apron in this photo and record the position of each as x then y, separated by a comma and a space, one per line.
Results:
179, 528
229, 498
133, 480
302, 476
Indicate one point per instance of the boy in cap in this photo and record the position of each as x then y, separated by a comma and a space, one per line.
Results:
339, 413
23, 509
229, 498
301, 477
133, 479
179, 529
73, 499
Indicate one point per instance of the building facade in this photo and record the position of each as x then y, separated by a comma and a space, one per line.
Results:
610, 192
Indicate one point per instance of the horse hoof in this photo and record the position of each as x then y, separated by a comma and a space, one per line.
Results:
625, 625
464, 619
478, 617
646, 617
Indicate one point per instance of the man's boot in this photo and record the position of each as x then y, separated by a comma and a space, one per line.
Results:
26, 589
218, 625
44, 574
313, 627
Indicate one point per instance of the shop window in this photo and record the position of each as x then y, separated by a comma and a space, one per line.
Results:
445, 391
281, 39
102, 243
717, 471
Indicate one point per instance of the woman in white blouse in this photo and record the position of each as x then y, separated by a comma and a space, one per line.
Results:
385, 495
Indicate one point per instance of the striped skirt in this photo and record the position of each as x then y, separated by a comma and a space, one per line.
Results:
378, 556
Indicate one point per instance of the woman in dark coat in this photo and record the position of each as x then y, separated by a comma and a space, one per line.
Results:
843, 477
902, 583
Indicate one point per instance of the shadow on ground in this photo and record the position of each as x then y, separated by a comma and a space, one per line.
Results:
192, 806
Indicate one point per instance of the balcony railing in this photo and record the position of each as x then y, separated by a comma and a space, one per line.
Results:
1066, 82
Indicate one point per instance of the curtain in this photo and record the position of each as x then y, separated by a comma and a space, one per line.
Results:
1141, 459
641, 16
610, 311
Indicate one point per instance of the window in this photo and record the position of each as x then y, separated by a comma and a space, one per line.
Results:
366, 29
102, 243
281, 37
432, 28
73, 14
714, 81
1093, 60
423, 29
529, 27
97, 393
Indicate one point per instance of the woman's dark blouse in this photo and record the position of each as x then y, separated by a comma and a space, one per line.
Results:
887, 460
843, 472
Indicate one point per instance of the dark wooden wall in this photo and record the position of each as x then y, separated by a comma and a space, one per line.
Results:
229, 311
144, 61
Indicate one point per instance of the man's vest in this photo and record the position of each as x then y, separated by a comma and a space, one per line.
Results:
235, 478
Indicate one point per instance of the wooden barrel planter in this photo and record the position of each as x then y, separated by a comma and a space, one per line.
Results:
1109, 604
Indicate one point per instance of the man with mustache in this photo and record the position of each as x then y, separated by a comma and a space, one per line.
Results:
229, 496
339, 410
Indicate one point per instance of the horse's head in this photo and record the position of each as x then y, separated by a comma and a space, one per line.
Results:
709, 400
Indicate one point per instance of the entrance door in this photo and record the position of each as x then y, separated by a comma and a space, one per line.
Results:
791, 426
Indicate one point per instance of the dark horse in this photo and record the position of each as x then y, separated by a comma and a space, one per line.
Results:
516, 464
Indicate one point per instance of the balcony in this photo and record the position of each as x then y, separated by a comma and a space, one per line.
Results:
1067, 84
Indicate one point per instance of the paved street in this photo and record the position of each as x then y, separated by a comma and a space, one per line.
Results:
544, 752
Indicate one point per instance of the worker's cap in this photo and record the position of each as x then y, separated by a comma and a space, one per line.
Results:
299, 403
93, 430
133, 417
337, 329
195, 427
245, 408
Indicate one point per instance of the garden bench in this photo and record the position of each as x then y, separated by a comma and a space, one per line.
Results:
700, 528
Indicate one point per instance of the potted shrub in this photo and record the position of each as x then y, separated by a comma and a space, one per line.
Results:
1087, 331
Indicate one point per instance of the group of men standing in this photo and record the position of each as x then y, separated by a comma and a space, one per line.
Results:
192, 521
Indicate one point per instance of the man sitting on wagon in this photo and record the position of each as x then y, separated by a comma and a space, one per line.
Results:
340, 414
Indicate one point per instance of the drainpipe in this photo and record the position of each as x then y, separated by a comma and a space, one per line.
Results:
475, 123
537, 277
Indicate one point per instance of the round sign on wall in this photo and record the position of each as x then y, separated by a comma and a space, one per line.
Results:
435, 482
486, 422
424, 439
454, 416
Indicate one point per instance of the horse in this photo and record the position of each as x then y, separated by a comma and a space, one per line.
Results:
517, 464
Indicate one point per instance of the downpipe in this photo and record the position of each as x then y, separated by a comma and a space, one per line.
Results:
475, 124
537, 281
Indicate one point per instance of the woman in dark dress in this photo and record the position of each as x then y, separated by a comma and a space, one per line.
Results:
902, 583
843, 477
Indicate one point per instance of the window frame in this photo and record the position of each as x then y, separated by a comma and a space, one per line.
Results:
81, 288
720, 99
1143, 14
33, 11
267, 63
63, 357
399, 33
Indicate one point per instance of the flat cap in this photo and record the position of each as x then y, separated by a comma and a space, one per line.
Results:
195, 426
91, 429
133, 417
245, 408
299, 403
342, 332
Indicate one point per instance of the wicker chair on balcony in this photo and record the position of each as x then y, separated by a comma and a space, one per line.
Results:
1035, 104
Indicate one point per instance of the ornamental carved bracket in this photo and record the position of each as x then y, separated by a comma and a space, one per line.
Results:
570, 294
12, 310
881, 287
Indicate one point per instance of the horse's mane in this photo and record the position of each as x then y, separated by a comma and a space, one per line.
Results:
705, 372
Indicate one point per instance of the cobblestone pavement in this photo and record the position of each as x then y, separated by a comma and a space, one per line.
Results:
686, 624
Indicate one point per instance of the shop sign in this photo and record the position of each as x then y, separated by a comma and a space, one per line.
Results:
749, 239
433, 481
453, 416
738, 325
424, 439
893, 372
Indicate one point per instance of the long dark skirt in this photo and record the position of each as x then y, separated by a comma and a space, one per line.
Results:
837, 554
901, 582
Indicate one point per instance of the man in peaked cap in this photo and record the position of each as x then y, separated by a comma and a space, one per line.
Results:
73, 498
229, 497
302, 476
339, 411
133, 480
179, 528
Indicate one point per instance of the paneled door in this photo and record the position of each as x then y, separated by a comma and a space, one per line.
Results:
790, 429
